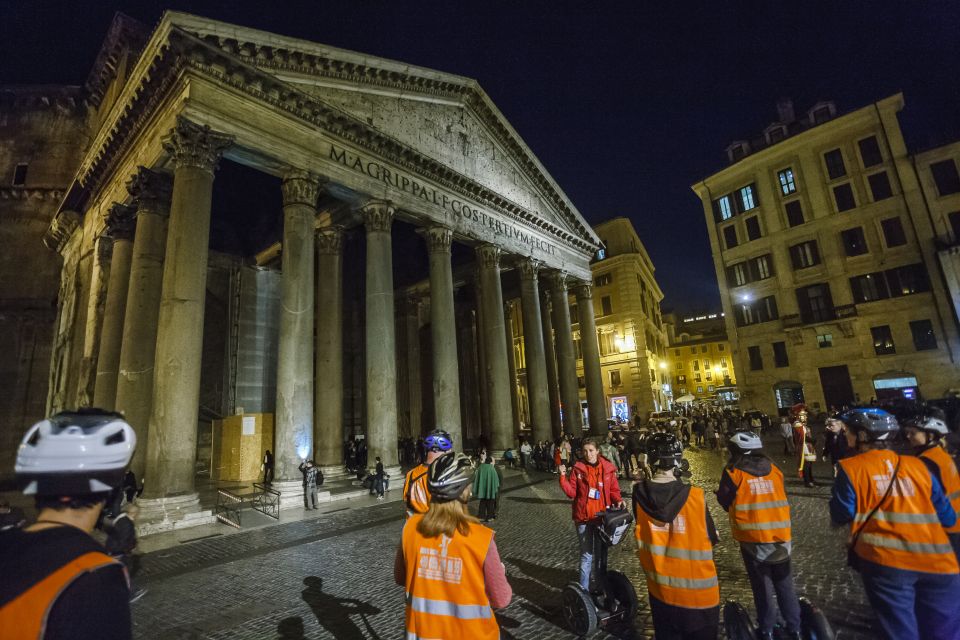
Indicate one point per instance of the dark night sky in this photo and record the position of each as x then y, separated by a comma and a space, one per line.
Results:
626, 104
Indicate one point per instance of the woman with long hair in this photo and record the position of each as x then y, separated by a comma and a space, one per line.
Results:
449, 562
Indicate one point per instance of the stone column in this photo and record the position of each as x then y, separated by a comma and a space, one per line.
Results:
550, 355
328, 398
443, 327
566, 358
172, 437
120, 226
536, 364
511, 366
410, 315
381, 368
495, 349
483, 386
596, 402
151, 193
293, 430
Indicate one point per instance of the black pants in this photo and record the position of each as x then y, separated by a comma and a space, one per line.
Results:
267, 473
807, 472
523, 460
767, 580
679, 623
488, 508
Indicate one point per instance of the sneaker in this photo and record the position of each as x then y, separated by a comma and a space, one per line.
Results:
136, 594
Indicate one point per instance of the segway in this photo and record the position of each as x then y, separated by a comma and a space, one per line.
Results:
813, 623
611, 597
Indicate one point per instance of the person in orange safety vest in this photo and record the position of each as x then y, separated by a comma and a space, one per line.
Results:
926, 432
416, 494
675, 537
58, 582
448, 562
752, 492
897, 512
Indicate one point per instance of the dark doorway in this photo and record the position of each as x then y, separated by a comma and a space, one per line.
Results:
837, 388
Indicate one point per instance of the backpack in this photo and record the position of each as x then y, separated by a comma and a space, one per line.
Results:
319, 477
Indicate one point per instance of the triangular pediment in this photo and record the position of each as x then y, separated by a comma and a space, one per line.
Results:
444, 117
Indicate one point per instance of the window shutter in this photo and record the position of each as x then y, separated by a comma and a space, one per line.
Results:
756, 194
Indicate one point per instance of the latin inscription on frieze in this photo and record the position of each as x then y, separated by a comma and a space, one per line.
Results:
469, 214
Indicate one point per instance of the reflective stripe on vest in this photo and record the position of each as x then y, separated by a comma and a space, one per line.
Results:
25, 617
446, 592
760, 512
905, 533
446, 608
949, 477
677, 556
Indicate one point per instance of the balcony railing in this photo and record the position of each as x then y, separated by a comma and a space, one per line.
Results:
822, 315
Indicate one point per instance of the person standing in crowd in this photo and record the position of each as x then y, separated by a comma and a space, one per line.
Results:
675, 537
121, 542
807, 457
525, 451
925, 433
309, 471
799, 414
897, 513
594, 487
786, 432
752, 492
58, 582
609, 451
268, 467
486, 488
834, 443
416, 492
380, 479
449, 563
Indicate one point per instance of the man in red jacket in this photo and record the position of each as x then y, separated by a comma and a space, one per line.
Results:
593, 485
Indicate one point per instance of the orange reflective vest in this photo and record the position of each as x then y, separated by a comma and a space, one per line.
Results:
677, 557
760, 512
25, 617
416, 492
905, 532
950, 479
446, 593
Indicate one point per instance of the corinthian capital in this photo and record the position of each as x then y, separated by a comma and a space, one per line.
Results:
438, 239
488, 256
192, 145
150, 189
330, 240
377, 215
556, 281
583, 290
529, 269
121, 222
300, 187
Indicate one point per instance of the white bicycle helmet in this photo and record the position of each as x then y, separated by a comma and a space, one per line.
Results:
448, 476
746, 441
75, 452
927, 422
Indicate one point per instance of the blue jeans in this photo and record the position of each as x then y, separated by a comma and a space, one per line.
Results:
767, 579
586, 533
913, 605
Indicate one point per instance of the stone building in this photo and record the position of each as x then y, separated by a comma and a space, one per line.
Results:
699, 358
823, 243
260, 222
631, 334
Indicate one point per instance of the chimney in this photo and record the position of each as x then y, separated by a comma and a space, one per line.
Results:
785, 110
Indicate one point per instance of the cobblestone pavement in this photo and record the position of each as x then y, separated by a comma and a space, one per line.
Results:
333, 577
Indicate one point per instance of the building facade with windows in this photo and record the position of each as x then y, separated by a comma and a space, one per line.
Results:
823, 244
631, 332
699, 359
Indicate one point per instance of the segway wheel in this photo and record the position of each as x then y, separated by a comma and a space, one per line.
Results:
814, 623
579, 610
737, 622
622, 591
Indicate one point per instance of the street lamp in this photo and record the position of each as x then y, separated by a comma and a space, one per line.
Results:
663, 365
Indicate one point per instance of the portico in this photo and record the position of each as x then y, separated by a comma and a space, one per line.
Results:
345, 136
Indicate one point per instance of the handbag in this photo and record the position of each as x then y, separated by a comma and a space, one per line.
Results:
851, 556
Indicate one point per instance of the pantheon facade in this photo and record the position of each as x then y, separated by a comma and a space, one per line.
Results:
371, 301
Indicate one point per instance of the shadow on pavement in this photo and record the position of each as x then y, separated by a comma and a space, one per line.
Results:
538, 500
334, 613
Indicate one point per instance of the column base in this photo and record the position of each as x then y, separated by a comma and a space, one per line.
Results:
396, 477
335, 472
291, 493
171, 512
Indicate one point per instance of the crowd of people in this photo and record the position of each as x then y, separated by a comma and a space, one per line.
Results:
895, 486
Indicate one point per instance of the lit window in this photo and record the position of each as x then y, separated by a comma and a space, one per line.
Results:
748, 197
788, 184
724, 208
601, 254
824, 340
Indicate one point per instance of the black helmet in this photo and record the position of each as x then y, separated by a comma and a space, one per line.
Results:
664, 450
448, 476
874, 424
